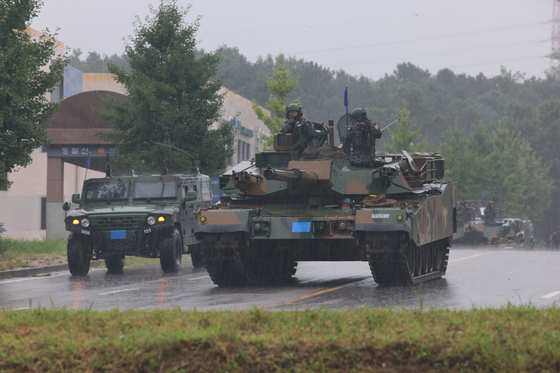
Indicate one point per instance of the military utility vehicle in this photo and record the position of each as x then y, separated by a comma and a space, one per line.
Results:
329, 204
146, 216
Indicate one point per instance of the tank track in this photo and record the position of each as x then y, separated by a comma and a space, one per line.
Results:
229, 262
394, 259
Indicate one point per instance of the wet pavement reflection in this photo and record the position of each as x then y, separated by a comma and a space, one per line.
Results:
475, 278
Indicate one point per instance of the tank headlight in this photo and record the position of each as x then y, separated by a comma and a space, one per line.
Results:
161, 219
400, 217
75, 222
85, 222
258, 226
202, 219
151, 220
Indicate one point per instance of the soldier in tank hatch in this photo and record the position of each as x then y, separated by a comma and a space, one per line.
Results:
293, 119
297, 126
346, 204
361, 137
490, 212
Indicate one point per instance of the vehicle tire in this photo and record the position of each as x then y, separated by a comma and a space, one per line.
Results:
115, 263
196, 256
78, 254
170, 252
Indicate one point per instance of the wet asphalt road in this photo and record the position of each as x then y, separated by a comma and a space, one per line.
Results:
475, 278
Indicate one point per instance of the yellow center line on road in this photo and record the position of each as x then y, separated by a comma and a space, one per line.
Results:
469, 257
305, 297
340, 287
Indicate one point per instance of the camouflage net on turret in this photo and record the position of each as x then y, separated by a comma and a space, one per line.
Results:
379, 200
324, 152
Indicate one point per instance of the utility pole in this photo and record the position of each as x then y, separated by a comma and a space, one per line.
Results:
555, 36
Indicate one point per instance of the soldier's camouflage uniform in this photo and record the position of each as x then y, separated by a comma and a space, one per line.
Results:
361, 136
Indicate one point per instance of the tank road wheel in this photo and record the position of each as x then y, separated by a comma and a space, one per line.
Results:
231, 261
435, 256
395, 260
389, 255
115, 263
411, 259
79, 255
218, 255
170, 252
443, 257
196, 256
425, 253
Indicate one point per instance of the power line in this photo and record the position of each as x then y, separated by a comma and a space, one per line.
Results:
424, 39
435, 54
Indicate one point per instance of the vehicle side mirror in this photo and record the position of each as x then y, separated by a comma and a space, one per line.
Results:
76, 198
191, 196
66, 205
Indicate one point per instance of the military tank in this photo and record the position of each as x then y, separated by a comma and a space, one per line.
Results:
327, 204
479, 223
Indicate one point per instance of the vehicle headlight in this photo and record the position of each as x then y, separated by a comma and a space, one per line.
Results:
85, 222
151, 220
161, 219
75, 222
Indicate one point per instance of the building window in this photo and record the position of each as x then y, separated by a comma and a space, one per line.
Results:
243, 151
43, 212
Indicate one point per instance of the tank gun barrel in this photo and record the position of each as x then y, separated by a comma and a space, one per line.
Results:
294, 175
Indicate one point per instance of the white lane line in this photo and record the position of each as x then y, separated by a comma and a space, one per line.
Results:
550, 295
197, 278
25, 279
118, 291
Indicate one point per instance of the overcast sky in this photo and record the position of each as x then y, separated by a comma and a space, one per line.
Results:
362, 37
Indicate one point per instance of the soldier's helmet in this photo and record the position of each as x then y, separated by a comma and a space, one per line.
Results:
293, 107
358, 113
347, 201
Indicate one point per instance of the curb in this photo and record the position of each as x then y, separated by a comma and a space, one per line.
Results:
26, 272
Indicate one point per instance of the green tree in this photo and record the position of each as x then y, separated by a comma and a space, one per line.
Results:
503, 166
29, 69
405, 138
459, 161
172, 99
280, 86
96, 63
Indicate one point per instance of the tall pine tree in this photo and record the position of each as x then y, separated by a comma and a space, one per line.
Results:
173, 97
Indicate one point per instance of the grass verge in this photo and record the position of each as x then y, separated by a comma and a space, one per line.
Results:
509, 339
15, 254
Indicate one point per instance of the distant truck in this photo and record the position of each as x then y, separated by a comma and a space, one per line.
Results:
149, 216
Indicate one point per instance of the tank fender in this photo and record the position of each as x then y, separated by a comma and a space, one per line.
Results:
222, 221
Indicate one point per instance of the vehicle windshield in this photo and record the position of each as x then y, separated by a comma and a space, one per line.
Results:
155, 189
107, 190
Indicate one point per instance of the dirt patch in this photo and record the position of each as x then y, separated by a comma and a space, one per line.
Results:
6, 265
